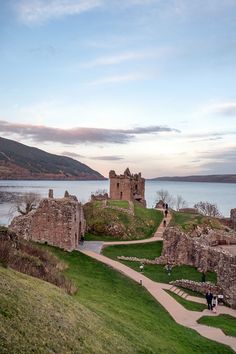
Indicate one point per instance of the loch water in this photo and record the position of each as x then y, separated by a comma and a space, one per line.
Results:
222, 194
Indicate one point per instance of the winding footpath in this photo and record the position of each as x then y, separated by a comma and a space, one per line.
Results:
157, 290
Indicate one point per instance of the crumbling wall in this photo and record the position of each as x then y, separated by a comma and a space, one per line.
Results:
58, 222
180, 248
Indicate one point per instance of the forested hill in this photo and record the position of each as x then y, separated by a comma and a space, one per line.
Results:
18, 161
227, 178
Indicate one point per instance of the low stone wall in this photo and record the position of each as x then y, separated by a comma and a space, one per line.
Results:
141, 260
200, 287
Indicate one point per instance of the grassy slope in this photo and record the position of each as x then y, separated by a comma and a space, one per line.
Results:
118, 203
131, 310
142, 225
141, 250
36, 317
189, 305
155, 272
109, 314
226, 322
188, 221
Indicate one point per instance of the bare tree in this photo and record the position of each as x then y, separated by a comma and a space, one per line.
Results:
180, 202
27, 202
207, 209
165, 197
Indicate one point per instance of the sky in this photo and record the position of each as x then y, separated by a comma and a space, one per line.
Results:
144, 84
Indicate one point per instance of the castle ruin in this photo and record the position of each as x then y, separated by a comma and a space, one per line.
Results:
57, 221
128, 186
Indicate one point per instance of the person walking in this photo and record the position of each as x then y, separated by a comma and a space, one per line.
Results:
209, 298
166, 212
164, 223
141, 267
214, 303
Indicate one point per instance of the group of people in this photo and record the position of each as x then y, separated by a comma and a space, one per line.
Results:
212, 301
165, 207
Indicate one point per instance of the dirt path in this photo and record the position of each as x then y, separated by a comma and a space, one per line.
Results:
157, 290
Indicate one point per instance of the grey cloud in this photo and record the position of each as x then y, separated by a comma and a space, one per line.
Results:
72, 154
78, 135
107, 158
226, 109
215, 162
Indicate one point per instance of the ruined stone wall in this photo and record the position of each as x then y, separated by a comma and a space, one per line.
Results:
127, 186
180, 248
233, 218
59, 222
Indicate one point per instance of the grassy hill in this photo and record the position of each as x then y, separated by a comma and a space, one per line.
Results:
109, 314
18, 161
113, 222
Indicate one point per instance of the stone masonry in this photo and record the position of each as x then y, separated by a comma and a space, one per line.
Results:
127, 186
203, 253
57, 221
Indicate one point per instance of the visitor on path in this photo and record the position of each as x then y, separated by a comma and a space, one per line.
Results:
166, 213
164, 223
141, 267
168, 267
209, 298
203, 277
214, 303
82, 240
166, 206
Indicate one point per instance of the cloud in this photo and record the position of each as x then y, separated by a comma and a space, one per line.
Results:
34, 12
223, 160
221, 108
129, 56
79, 135
72, 154
39, 11
115, 59
117, 79
107, 158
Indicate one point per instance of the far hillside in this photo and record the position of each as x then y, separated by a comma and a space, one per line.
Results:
225, 178
117, 220
19, 161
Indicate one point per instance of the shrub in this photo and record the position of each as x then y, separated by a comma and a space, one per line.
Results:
5, 252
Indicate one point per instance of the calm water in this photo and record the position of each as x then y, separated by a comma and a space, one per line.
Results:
224, 195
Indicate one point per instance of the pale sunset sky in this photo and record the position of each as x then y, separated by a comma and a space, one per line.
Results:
144, 84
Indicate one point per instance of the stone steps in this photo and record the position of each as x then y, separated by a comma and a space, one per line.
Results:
179, 292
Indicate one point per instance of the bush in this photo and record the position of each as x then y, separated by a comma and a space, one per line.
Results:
5, 252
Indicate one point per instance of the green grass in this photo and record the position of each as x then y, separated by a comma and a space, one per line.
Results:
109, 314
131, 311
189, 305
101, 222
191, 292
143, 250
92, 237
188, 221
119, 203
225, 322
155, 272
158, 272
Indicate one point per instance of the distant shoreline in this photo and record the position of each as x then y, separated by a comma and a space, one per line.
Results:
230, 178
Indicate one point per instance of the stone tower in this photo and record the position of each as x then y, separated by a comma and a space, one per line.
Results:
127, 186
